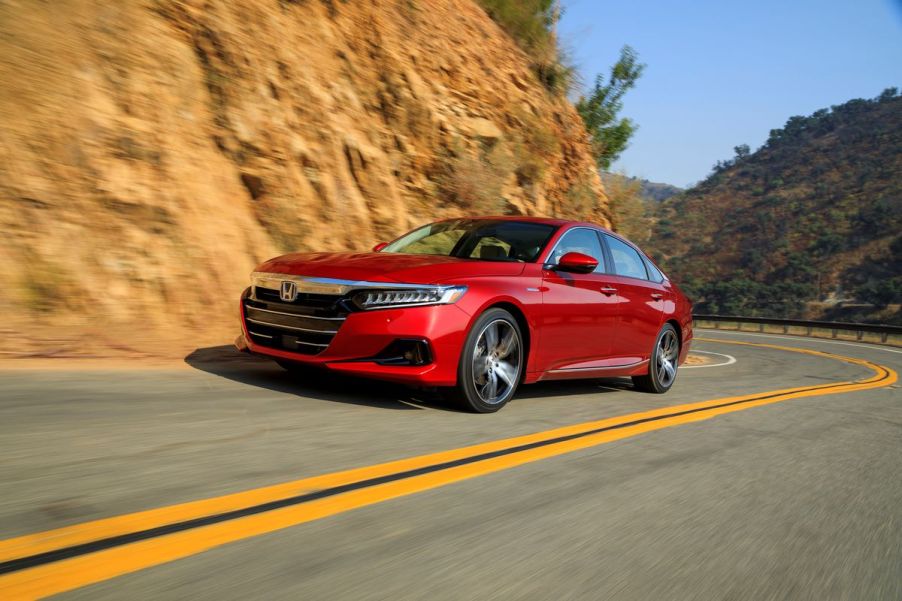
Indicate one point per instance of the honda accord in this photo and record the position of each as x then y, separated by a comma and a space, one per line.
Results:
475, 307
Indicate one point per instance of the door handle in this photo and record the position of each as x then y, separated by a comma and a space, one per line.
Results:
608, 290
657, 295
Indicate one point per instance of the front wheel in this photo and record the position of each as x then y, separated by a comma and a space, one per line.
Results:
491, 364
662, 365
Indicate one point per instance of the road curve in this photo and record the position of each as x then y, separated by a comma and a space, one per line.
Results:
769, 472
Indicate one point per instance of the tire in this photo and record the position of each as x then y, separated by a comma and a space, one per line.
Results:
492, 352
662, 364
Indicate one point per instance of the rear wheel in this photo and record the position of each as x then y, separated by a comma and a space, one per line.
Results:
491, 364
662, 365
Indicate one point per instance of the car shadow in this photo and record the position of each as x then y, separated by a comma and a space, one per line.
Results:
227, 362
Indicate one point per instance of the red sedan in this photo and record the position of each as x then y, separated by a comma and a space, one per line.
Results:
476, 306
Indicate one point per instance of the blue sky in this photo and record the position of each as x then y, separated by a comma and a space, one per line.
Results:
723, 73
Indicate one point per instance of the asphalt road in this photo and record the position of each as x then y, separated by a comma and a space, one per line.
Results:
796, 499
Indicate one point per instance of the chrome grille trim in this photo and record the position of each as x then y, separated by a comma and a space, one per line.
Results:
306, 325
300, 315
311, 285
280, 326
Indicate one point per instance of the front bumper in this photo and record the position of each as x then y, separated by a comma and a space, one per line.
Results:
363, 335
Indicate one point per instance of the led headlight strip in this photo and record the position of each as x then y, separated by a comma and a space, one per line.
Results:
408, 297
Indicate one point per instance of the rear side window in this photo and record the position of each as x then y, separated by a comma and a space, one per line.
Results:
627, 260
654, 274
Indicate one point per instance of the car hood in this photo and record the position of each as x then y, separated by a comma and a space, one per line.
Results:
387, 267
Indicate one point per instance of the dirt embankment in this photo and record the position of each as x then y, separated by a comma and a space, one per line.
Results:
153, 151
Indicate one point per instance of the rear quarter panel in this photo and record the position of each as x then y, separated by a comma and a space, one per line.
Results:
682, 315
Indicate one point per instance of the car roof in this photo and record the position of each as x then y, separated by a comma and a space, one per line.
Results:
527, 219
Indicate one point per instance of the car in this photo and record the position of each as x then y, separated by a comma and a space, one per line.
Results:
474, 307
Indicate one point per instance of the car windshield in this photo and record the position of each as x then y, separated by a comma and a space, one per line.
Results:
483, 239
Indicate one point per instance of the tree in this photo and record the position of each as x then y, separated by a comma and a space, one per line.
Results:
742, 151
882, 292
888, 94
600, 107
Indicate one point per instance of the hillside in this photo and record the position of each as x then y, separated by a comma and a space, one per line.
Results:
633, 202
651, 192
809, 224
154, 151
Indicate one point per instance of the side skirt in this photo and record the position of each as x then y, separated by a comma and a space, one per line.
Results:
632, 369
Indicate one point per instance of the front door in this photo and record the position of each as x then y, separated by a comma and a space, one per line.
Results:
579, 313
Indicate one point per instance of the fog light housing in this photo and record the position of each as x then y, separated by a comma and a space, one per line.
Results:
405, 352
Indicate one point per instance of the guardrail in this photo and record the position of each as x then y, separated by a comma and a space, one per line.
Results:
887, 334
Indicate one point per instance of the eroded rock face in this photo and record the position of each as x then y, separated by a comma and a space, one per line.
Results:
154, 151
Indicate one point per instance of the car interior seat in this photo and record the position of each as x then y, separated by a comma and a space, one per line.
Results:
492, 251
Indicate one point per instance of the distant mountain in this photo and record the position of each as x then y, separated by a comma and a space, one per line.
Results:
649, 191
809, 224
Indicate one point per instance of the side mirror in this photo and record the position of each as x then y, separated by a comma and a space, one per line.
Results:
379, 246
577, 263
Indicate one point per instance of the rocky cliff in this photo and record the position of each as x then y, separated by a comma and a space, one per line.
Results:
153, 151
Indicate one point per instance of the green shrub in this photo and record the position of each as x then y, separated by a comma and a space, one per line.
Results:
529, 22
556, 76
882, 292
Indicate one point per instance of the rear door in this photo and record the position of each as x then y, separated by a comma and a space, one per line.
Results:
641, 302
578, 315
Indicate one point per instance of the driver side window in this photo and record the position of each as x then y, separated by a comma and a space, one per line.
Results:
580, 240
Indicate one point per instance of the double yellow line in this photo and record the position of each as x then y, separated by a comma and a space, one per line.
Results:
46, 563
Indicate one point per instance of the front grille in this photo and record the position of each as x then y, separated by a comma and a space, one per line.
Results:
312, 302
305, 326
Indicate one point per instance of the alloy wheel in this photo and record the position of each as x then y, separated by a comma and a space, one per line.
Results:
666, 358
496, 361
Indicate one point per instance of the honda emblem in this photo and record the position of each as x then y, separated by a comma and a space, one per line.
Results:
289, 292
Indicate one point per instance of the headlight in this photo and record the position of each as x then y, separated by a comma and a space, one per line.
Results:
408, 297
